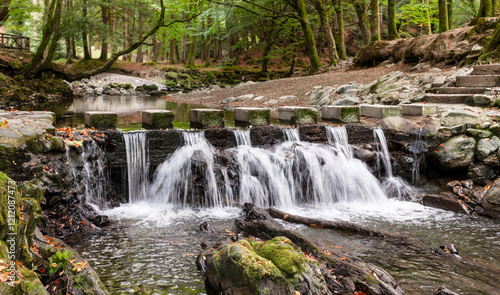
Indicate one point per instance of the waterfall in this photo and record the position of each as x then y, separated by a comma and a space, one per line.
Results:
91, 181
291, 135
137, 165
418, 148
394, 187
338, 136
188, 176
242, 137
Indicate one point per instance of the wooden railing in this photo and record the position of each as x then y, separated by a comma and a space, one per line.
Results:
10, 41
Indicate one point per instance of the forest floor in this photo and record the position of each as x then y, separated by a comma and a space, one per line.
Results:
274, 89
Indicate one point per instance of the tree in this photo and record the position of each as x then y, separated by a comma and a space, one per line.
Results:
325, 26
361, 6
391, 19
485, 10
443, 16
4, 11
339, 10
375, 21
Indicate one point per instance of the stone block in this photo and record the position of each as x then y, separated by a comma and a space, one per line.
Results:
380, 111
157, 119
206, 118
478, 81
344, 114
419, 109
297, 115
101, 120
252, 117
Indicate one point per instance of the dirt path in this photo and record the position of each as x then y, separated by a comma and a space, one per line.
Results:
273, 90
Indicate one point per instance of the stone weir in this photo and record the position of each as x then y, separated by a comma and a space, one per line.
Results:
160, 144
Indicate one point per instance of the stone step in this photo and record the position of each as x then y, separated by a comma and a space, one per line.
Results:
449, 98
244, 117
460, 90
486, 70
343, 114
380, 111
478, 81
206, 118
297, 115
101, 120
157, 119
419, 109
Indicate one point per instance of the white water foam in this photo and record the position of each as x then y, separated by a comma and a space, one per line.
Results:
137, 165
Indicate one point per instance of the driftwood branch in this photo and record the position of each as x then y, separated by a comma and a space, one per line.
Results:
335, 225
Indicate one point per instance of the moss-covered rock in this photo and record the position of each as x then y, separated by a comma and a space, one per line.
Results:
458, 152
273, 267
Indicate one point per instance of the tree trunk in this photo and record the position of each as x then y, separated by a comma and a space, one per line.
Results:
493, 44
139, 28
375, 21
86, 51
339, 10
266, 58
450, 14
172, 51
495, 6
69, 53
48, 29
443, 16
73, 46
104, 33
325, 25
295, 48
192, 51
363, 22
4, 11
300, 7
428, 24
53, 42
391, 19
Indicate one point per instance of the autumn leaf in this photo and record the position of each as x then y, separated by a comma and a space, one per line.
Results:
79, 266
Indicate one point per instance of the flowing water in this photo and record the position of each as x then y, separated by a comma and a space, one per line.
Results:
393, 186
152, 243
137, 165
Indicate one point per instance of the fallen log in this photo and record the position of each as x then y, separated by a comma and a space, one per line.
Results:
336, 225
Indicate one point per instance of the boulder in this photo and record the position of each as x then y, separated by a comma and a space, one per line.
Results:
483, 100
486, 147
346, 100
320, 96
277, 266
245, 97
459, 117
458, 152
443, 202
480, 173
491, 201
348, 88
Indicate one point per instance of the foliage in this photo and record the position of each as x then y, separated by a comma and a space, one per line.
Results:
59, 261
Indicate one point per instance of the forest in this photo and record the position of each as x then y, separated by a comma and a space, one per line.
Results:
216, 32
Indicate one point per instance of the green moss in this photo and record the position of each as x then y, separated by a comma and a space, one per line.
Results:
33, 189
259, 117
371, 280
172, 75
305, 116
350, 114
283, 254
103, 121
36, 145
57, 144
163, 120
151, 87
59, 261
212, 119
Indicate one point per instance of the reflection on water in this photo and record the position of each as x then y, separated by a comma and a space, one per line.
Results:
151, 249
72, 113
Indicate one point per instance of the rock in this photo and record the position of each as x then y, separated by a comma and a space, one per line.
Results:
245, 97
458, 152
438, 81
287, 97
459, 117
214, 87
348, 88
477, 133
486, 147
483, 100
443, 202
457, 130
229, 99
398, 125
258, 98
277, 266
444, 291
480, 173
491, 201
446, 249
320, 96
347, 101
435, 70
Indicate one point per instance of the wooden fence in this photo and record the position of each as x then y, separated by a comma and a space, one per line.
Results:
9, 41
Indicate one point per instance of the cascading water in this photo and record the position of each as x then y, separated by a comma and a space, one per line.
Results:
338, 136
418, 148
242, 137
188, 176
291, 135
92, 178
137, 165
393, 186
